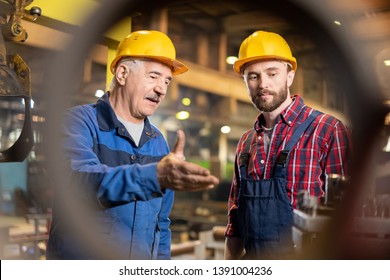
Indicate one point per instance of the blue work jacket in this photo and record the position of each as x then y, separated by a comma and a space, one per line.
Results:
128, 213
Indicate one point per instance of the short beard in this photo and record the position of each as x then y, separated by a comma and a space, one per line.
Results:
279, 98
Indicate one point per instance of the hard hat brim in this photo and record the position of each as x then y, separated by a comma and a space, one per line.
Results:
239, 64
176, 66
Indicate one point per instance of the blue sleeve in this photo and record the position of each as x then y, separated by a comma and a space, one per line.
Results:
96, 180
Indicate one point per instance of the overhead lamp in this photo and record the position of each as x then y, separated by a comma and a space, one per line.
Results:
386, 62
182, 115
225, 129
231, 59
337, 22
186, 101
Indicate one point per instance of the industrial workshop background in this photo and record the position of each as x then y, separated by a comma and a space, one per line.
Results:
343, 49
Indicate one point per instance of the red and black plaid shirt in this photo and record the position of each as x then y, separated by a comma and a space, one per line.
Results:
322, 150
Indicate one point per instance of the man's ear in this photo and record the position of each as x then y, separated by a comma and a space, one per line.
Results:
121, 73
290, 77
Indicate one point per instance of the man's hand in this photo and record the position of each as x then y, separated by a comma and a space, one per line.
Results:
234, 248
176, 174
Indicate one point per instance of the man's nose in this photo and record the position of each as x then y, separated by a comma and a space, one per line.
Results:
161, 87
263, 83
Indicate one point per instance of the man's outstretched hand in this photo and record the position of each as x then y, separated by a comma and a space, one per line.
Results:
176, 174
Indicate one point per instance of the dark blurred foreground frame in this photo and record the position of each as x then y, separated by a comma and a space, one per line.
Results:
336, 48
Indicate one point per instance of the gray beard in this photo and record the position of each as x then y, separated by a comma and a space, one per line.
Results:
279, 98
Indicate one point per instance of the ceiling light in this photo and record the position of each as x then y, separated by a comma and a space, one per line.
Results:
225, 129
182, 115
231, 59
186, 101
386, 62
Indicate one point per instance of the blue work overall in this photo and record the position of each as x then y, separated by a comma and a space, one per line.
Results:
265, 214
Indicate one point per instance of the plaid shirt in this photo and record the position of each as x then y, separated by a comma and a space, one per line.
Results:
322, 150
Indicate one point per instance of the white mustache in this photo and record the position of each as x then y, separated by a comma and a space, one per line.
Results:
153, 97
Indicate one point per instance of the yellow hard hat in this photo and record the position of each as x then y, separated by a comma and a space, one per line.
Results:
149, 44
262, 45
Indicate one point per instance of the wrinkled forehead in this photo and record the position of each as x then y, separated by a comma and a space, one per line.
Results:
148, 64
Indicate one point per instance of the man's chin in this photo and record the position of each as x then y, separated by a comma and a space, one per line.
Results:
263, 106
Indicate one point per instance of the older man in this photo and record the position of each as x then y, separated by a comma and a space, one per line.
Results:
125, 173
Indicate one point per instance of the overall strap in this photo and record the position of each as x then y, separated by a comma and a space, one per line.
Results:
245, 155
284, 154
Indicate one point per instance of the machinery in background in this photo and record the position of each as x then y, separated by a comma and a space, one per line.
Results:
15, 86
312, 215
369, 230
368, 225
16, 134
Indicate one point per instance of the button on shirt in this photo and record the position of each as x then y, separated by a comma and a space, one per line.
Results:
322, 150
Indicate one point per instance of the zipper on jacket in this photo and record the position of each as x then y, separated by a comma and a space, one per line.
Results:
157, 228
132, 229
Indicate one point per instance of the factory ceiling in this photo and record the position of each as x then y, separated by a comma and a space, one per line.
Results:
365, 22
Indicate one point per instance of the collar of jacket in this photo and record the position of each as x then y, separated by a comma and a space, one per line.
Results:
107, 119
287, 116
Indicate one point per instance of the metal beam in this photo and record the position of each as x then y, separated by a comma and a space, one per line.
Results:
213, 81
